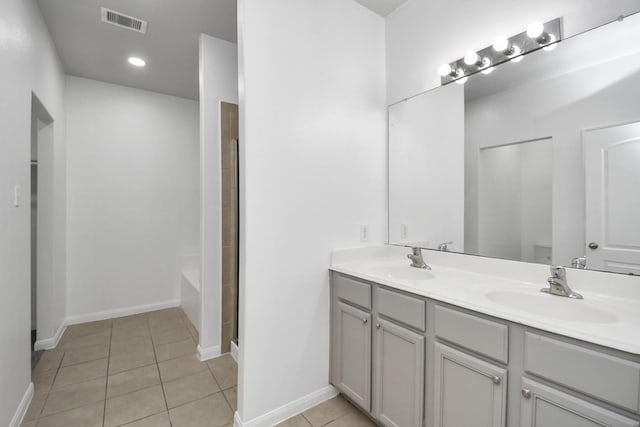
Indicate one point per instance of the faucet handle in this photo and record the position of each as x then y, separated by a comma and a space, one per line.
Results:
558, 271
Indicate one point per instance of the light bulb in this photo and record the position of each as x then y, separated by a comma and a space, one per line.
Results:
535, 30
500, 44
472, 58
552, 43
445, 70
487, 70
137, 62
462, 80
514, 56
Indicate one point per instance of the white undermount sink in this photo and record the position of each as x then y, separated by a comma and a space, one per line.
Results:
398, 272
551, 306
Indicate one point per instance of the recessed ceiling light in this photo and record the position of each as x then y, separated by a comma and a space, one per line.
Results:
137, 62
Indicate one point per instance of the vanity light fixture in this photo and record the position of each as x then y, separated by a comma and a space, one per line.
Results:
504, 49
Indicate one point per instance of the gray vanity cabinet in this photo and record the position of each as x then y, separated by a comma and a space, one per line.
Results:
398, 375
543, 406
467, 390
409, 361
352, 353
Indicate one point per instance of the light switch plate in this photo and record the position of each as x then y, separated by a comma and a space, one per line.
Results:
404, 232
364, 233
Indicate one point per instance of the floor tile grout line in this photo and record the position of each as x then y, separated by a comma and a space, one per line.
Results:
155, 357
50, 388
106, 383
143, 418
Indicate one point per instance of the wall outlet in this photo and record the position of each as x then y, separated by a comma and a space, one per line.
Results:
404, 231
364, 233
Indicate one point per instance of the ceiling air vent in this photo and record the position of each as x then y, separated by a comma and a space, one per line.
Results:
123, 21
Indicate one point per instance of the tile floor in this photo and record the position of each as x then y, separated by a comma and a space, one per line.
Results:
134, 371
336, 412
141, 371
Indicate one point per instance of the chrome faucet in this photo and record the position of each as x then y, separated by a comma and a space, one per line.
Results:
579, 262
444, 247
558, 284
416, 259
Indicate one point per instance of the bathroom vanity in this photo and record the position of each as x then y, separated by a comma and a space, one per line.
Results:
463, 346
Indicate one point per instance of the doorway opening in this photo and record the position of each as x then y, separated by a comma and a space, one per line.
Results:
41, 146
230, 224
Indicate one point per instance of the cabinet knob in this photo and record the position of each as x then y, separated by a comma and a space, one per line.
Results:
377, 325
365, 320
495, 379
526, 393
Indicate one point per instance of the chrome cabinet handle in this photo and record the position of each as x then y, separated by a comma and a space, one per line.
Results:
377, 325
593, 245
526, 393
495, 379
365, 320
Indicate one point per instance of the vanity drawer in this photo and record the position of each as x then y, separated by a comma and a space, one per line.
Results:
403, 308
483, 336
600, 375
353, 291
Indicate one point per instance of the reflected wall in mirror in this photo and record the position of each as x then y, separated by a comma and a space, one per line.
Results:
549, 149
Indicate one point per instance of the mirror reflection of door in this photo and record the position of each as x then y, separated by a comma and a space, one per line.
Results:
612, 177
515, 192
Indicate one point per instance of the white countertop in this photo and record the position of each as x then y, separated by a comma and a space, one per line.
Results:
609, 314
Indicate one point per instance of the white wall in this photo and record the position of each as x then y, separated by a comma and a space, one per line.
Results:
218, 82
426, 169
133, 195
28, 63
313, 161
426, 33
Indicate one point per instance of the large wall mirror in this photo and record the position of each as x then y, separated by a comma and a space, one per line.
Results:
538, 161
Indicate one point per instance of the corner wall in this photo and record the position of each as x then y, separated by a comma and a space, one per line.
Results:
313, 169
218, 82
28, 64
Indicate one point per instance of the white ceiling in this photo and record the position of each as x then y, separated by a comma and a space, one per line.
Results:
92, 49
382, 7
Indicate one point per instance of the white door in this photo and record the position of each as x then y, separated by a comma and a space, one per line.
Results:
612, 166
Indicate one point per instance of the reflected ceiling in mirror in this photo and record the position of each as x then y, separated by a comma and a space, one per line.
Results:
538, 161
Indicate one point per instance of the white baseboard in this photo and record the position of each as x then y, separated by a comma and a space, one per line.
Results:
119, 312
208, 352
21, 411
49, 343
234, 351
289, 410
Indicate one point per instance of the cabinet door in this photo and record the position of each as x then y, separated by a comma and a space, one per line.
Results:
398, 375
544, 406
468, 391
352, 356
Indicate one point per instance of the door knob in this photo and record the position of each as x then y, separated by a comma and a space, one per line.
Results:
593, 245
